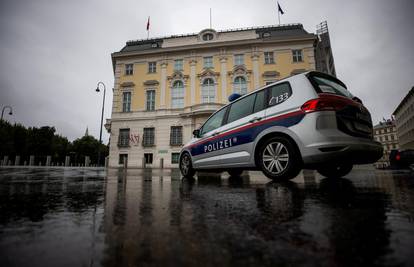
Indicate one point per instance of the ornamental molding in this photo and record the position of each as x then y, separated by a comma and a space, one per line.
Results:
240, 70
127, 84
208, 73
271, 74
177, 75
151, 83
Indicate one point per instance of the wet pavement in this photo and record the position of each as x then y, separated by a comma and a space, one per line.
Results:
75, 217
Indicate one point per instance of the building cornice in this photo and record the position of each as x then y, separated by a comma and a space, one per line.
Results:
308, 37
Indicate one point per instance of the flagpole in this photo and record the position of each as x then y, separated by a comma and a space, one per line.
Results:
278, 16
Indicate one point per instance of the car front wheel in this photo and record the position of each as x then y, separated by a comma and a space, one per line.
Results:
186, 166
278, 159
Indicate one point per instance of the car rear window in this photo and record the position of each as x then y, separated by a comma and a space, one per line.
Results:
330, 86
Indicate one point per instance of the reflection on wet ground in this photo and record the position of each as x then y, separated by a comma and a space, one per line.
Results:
69, 217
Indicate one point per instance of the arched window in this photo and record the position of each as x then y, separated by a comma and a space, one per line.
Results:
208, 36
208, 91
240, 85
177, 95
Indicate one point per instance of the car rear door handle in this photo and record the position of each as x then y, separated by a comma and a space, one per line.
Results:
255, 119
216, 133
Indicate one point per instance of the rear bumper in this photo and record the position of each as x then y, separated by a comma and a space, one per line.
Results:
353, 153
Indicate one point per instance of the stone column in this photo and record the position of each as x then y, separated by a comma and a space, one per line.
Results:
163, 84
17, 161
223, 74
193, 64
255, 60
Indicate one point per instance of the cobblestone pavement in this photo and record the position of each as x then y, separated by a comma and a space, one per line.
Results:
89, 217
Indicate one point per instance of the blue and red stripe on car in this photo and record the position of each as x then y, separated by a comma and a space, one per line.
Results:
244, 134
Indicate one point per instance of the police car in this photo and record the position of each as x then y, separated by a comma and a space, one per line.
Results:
309, 120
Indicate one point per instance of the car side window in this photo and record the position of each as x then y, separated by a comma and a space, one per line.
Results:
214, 122
259, 102
241, 108
279, 93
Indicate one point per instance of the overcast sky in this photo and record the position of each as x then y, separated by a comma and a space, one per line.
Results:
54, 52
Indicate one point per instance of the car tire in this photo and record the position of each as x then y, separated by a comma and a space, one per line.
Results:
186, 166
335, 171
235, 172
279, 159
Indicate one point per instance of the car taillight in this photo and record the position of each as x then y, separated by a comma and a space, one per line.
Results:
326, 102
397, 157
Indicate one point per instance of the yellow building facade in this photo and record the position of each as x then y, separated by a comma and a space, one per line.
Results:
167, 87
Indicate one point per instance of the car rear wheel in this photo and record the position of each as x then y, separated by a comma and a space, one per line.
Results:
235, 173
338, 171
278, 159
186, 166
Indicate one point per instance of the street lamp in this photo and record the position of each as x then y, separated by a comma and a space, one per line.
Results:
2, 111
103, 106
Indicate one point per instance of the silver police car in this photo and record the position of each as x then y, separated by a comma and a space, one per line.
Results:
309, 120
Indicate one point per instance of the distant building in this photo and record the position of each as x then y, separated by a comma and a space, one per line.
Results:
385, 132
167, 87
404, 120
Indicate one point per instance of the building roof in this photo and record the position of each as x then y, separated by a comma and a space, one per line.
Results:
272, 32
410, 93
385, 124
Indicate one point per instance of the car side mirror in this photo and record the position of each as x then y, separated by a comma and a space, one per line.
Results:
196, 133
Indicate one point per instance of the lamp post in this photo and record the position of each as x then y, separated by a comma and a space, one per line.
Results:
2, 111
103, 106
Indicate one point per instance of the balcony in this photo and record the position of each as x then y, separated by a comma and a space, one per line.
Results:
201, 109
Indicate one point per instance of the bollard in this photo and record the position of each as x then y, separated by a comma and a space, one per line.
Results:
106, 162
17, 161
31, 160
9, 163
87, 161
48, 160
162, 163
67, 161
40, 163
1, 162
24, 163
5, 160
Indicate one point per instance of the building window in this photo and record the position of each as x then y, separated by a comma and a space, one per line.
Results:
176, 136
208, 37
208, 91
123, 139
149, 136
152, 67
269, 82
238, 59
208, 62
269, 58
177, 95
150, 100
297, 55
129, 69
240, 85
178, 65
123, 158
148, 158
175, 158
126, 101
